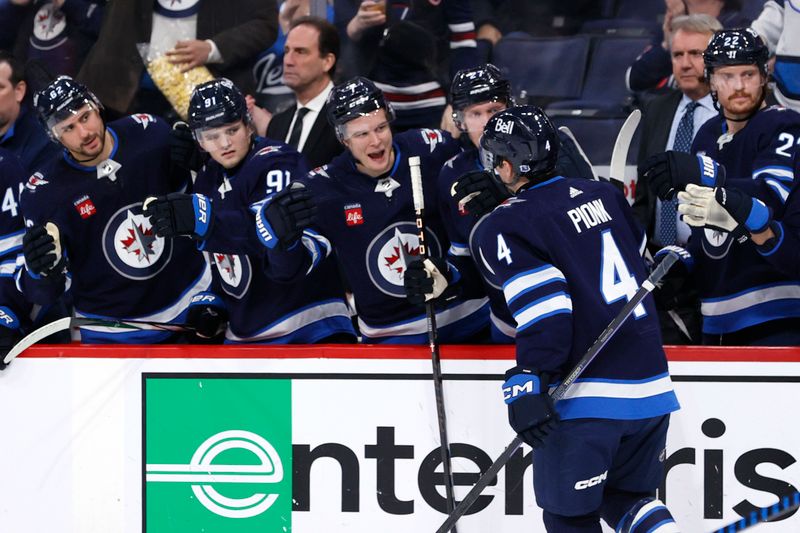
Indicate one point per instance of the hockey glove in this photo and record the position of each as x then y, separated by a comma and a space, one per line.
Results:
9, 333
41, 247
207, 314
669, 172
670, 291
426, 280
530, 409
478, 192
183, 150
284, 215
179, 214
723, 209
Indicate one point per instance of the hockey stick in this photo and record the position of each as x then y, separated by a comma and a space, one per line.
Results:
647, 286
568, 132
67, 323
433, 338
619, 157
786, 505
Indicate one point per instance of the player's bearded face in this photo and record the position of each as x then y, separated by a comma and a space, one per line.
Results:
475, 117
83, 134
227, 144
369, 139
738, 88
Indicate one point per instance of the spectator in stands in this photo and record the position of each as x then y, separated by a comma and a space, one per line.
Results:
309, 62
670, 123
271, 93
652, 69
225, 35
780, 29
59, 33
415, 61
20, 131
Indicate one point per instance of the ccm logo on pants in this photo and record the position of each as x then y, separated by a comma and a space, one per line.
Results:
591, 482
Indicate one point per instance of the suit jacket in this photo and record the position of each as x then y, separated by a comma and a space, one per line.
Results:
321, 145
656, 123
240, 29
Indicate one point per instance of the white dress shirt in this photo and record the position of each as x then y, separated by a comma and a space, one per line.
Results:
314, 106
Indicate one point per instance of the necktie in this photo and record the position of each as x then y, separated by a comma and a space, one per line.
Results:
668, 223
297, 128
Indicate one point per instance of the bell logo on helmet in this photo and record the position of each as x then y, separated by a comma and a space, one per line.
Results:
503, 126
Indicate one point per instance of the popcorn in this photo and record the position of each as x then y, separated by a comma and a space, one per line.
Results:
175, 85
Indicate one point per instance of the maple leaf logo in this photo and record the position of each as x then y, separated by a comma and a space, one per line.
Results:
226, 263
139, 240
402, 254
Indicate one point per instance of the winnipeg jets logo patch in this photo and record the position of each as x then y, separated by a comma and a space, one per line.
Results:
235, 273
268, 150
716, 244
37, 180
48, 24
143, 119
431, 137
391, 251
573, 192
131, 246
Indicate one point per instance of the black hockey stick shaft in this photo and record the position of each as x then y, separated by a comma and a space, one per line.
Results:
647, 286
132, 324
786, 505
433, 340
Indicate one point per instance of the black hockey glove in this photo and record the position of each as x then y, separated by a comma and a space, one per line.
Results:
723, 209
669, 172
427, 280
183, 150
9, 333
207, 314
530, 409
179, 214
478, 192
41, 247
284, 215
672, 290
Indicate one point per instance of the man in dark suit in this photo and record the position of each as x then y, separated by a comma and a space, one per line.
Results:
309, 61
670, 123
224, 35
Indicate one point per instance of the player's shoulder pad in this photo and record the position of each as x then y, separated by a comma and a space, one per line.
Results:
319, 172
778, 117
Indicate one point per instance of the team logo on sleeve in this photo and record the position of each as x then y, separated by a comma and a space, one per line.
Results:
391, 251
431, 137
131, 246
716, 244
37, 180
235, 272
268, 150
143, 119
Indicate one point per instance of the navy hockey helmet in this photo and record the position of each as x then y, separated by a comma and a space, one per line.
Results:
735, 47
216, 103
355, 98
62, 99
525, 137
476, 86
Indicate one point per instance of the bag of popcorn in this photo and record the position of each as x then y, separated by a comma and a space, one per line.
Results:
175, 85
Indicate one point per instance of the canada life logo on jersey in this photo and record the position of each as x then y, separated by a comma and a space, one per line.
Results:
431, 137
131, 245
390, 252
235, 272
85, 206
143, 119
353, 215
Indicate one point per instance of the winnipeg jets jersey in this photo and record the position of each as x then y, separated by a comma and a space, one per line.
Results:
12, 229
259, 309
567, 254
117, 266
739, 287
370, 223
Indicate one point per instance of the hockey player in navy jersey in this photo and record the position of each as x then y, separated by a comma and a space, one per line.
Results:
364, 212
476, 94
85, 227
746, 153
243, 170
567, 254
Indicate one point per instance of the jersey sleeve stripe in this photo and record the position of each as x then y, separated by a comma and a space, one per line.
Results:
527, 281
784, 173
11, 242
458, 249
542, 308
780, 189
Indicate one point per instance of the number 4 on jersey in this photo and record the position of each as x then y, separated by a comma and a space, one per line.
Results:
616, 281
